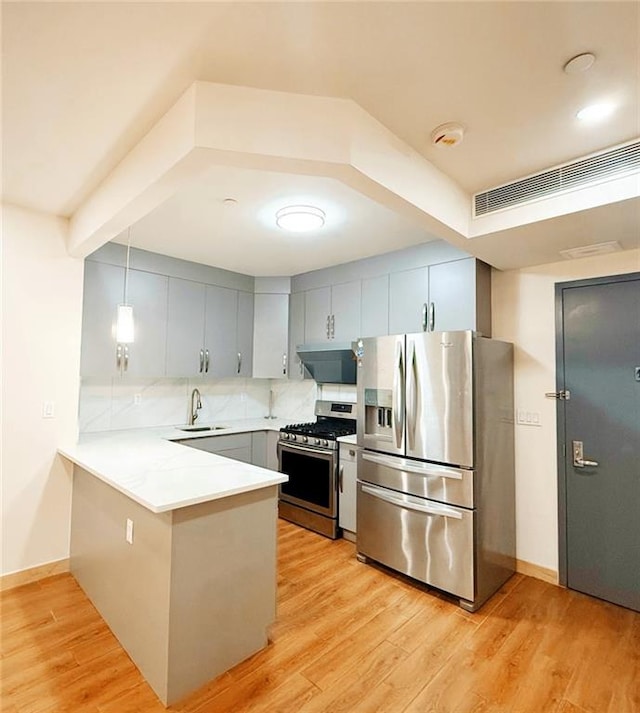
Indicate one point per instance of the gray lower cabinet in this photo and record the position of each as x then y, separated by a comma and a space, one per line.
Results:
236, 446
348, 476
258, 448
103, 291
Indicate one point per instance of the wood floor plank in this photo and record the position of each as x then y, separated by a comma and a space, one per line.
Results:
349, 638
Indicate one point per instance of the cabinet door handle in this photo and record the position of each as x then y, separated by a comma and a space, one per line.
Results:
424, 317
126, 357
118, 356
239, 361
201, 360
284, 364
206, 361
432, 316
333, 326
341, 478
301, 369
328, 326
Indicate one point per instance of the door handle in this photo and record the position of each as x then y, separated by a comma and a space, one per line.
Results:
579, 461
432, 316
239, 361
284, 364
119, 356
206, 361
201, 360
341, 478
424, 317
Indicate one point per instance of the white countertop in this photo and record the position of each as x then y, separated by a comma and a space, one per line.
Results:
146, 466
351, 440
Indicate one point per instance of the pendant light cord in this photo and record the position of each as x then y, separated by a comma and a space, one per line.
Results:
126, 271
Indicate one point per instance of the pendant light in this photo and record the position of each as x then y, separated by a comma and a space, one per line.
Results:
124, 316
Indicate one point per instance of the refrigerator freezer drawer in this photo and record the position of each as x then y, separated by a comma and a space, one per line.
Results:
446, 484
428, 541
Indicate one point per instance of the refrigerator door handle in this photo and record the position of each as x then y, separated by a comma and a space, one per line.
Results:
412, 394
398, 401
404, 501
409, 467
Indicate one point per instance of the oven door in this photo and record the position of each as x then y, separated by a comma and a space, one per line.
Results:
312, 478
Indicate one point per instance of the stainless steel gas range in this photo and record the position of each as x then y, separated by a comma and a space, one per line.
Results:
308, 454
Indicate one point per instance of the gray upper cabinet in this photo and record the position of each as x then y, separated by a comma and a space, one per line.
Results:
408, 300
345, 311
148, 295
244, 339
296, 334
332, 313
221, 332
185, 328
103, 291
443, 297
317, 313
375, 307
271, 336
460, 296
209, 330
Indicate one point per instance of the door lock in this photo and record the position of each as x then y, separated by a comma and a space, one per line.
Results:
579, 461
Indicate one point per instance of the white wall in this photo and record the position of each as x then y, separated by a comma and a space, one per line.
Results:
41, 320
524, 313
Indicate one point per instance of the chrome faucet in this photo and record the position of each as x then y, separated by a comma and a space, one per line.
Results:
196, 404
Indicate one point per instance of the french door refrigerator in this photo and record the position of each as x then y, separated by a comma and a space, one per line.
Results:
435, 496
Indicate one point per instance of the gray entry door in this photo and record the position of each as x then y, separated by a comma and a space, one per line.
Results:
599, 364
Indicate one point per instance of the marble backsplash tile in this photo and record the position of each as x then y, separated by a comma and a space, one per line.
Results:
112, 404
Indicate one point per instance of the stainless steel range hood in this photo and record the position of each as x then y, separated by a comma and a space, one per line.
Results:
329, 363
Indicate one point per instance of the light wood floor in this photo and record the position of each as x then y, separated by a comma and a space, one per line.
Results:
349, 637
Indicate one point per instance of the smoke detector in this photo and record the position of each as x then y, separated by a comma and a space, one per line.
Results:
447, 135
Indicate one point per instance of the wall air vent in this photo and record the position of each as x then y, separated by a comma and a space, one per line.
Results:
592, 169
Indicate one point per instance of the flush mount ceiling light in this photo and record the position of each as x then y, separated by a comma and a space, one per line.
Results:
595, 112
300, 218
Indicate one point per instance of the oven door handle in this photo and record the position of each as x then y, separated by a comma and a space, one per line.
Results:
403, 502
305, 449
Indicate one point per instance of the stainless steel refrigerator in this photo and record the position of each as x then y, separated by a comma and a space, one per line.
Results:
436, 467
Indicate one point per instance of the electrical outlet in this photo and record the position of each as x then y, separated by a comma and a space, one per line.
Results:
48, 409
137, 399
129, 531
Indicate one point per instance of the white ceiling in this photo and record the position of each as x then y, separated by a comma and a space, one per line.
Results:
84, 82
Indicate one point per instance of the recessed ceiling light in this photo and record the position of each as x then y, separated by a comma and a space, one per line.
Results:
300, 218
595, 112
580, 63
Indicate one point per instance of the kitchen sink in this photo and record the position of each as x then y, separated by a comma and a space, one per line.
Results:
198, 429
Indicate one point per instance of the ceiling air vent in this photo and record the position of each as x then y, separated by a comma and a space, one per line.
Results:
599, 167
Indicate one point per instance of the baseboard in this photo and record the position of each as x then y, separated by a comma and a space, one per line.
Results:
535, 570
27, 576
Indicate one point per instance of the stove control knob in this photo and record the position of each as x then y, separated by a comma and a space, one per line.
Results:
318, 441
325, 443
285, 436
293, 437
305, 439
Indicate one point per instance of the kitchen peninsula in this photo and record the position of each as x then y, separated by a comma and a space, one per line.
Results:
176, 548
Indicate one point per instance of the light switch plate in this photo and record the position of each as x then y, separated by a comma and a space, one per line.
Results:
129, 531
528, 418
48, 409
